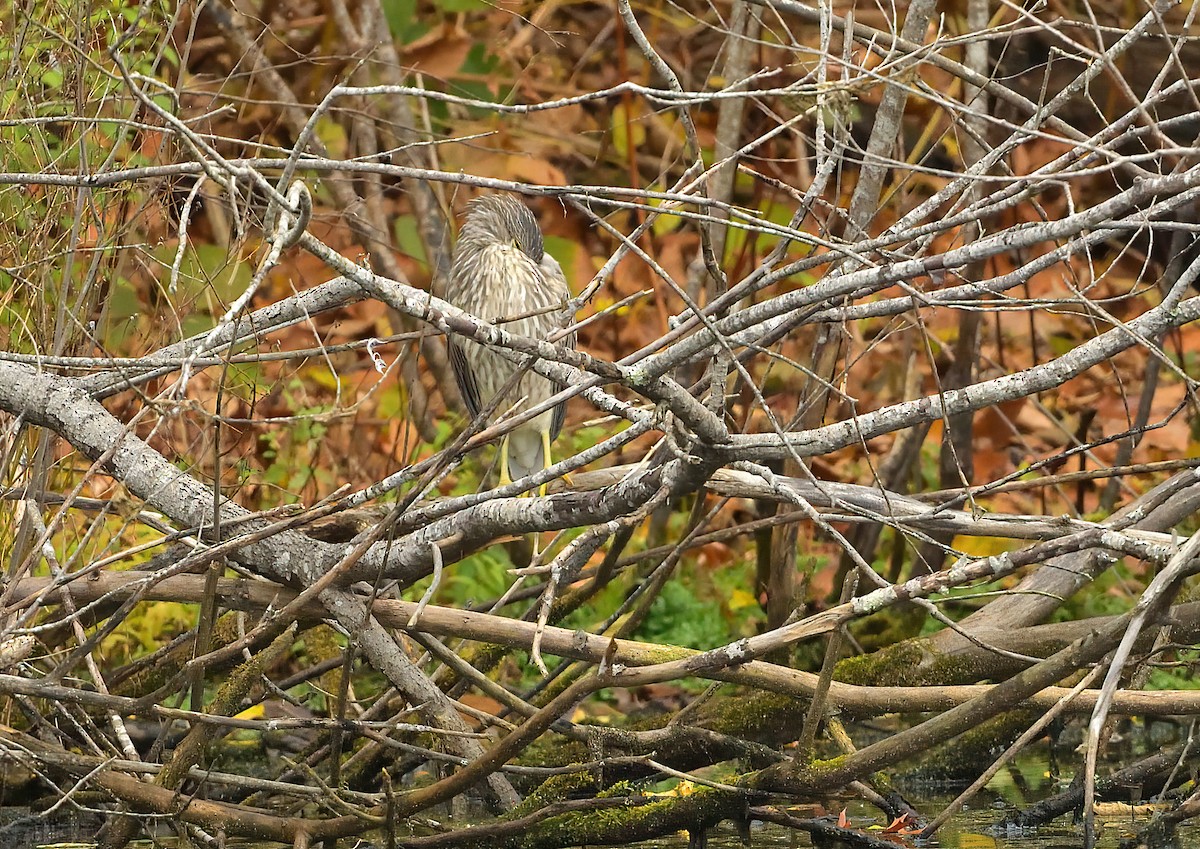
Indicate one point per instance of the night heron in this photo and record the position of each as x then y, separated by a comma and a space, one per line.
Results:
501, 270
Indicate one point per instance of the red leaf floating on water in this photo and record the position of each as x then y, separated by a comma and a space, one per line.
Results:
903, 824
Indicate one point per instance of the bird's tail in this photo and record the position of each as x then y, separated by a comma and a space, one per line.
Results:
525, 454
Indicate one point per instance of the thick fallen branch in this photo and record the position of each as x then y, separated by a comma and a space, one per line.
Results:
857, 700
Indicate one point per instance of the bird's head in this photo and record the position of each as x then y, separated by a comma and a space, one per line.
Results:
501, 219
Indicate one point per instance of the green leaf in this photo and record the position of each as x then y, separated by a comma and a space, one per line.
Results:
679, 618
207, 267
52, 78
121, 311
402, 20
408, 238
563, 250
481, 64
461, 5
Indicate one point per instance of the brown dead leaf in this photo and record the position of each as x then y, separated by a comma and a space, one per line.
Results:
482, 703
714, 555
440, 52
535, 170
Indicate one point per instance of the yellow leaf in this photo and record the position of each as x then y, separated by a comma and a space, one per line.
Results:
627, 130
983, 546
665, 222
739, 599
257, 711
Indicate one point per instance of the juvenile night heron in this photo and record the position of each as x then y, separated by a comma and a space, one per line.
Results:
501, 270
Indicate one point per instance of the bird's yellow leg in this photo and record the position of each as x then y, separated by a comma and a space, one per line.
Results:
546, 461
535, 539
505, 480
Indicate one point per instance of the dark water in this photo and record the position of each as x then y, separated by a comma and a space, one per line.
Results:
20, 828
974, 827
978, 825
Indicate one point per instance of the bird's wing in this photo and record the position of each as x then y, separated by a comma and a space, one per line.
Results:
467, 387
555, 277
560, 411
